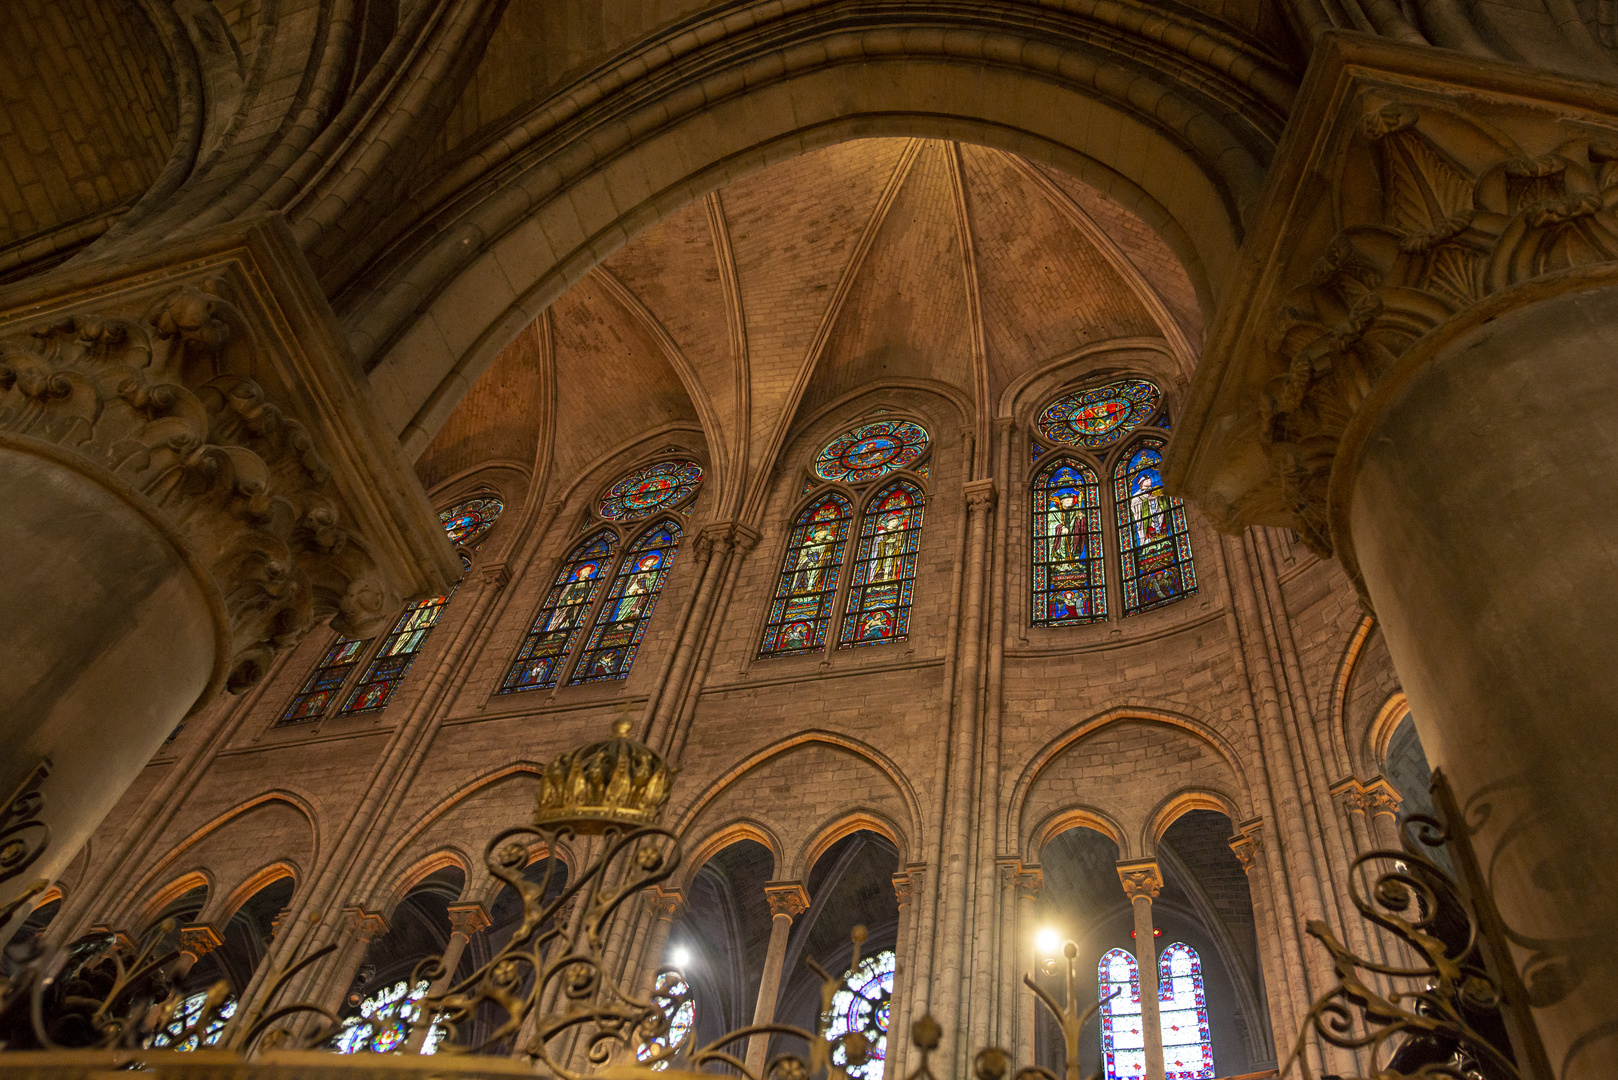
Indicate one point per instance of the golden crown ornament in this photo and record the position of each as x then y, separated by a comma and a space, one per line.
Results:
617, 782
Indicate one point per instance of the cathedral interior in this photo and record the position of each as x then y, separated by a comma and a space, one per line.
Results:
1079, 526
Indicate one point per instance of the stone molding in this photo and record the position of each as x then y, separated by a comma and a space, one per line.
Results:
787, 898
366, 926
1415, 191
199, 939
1140, 878
207, 386
1374, 797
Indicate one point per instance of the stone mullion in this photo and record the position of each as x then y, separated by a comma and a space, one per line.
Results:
1292, 879
986, 1010
956, 862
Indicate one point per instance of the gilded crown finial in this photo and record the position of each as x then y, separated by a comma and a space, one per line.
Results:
620, 781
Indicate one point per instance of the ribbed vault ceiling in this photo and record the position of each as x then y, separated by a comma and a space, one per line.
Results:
878, 260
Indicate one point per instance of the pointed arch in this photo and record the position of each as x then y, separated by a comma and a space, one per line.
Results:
1069, 577
882, 582
1154, 538
1123, 1035
560, 621
800, 612
631, 599
1183, 1014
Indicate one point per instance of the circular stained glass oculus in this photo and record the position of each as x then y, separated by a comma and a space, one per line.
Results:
1101, 415
467, 522
871, 451
646, 491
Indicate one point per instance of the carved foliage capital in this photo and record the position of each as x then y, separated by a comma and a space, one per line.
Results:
367, 926
467, 919
199, 939
1140, 877
668, 905
787, 898
903, 889
1030, 879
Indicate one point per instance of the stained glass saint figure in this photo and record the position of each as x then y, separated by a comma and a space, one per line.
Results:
622, 623
801, 608
1153, 535
399, 650
1069, 580
561, 618
880, 591
1123, 1037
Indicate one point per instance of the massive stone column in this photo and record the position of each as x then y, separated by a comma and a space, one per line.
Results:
1142, 882
1416, 372
464, 921
193, 475
787, 901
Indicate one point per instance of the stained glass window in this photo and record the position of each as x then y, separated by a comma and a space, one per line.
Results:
879, 591
673, 997
1152, 532
561, 618
325, 682
1100, 416
467, 522
864, 1007
1187, 1046
871, 451
646, 491
399, 650
624, 617
1069, 580
174, 1035
801, 609
1123, 1038
384, 1022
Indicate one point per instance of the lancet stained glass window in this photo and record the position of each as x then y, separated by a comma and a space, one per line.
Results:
561, 617
1187, 1045
325, 682
864, 1008
880, 587
385, 1020
611, 648
467, 522
399, 649
645, 491
871, 451
673, 997
801, 610
174, 1036
1152, 533
1099, 416
1069, 579
1123, 1037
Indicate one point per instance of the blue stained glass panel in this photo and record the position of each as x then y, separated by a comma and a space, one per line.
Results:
561, 618
880, 590
801, 609
1152, 532
466, 522
392, 661
1099, 416
631, 599
645, 491
1069, 579
325, 682
871, 451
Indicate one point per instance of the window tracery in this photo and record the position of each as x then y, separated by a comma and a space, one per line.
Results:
326, 681
1153, 536
467, 522
1100, 416
1069, 579
801, 609
648, 490
174, 1037
385, 1021
864, 1007
871, 451
1187, 1045
671, 989
882, 583
631, 599
561, 618
1123, 1035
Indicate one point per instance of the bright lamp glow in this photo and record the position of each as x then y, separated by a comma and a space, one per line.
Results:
681, 956
1048, 941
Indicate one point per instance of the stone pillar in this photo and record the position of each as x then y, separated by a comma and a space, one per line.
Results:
193, 475
196, 941
361, 928
787, 901
1029, 881
1416, 377
666, 907
464, 921
1142, 882
903, 968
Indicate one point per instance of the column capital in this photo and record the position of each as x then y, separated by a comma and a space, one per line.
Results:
1423, 190
1382, 798
1030, 880
903, 889
120, 938
199, 939
367, 926
1248, 843
467, 919
981, 494
208, 382
787, 898
1349, 795
495, 575
1140, 877
668, 904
